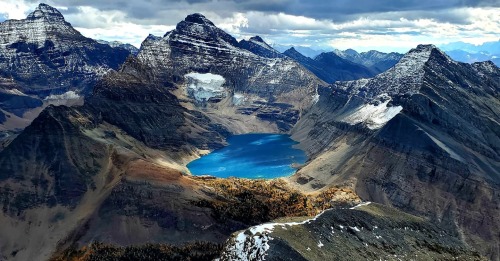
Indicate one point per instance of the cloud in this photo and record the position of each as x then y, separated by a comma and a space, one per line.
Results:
365, 24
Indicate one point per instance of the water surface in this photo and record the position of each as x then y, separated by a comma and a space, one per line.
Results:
251, 156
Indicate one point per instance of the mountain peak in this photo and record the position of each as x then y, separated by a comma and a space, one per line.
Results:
428, 51
257, 39
292, 52
46, 11
198, 18
198, 28
425, 47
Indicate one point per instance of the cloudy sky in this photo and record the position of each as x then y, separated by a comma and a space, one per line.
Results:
387, 25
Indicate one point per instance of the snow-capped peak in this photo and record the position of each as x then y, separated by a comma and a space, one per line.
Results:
46, 11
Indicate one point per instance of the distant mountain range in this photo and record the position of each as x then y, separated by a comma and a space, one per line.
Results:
459, 51
469, 53
116, 44
306, 51
330, 67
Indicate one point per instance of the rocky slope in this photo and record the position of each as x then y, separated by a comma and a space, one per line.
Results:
422, 136
46, 55
330, 67
377, 61
365, 232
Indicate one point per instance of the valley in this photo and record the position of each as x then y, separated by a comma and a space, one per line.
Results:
119, 172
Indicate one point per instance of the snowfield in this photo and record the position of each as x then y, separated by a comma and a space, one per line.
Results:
203, 86
374, 116
69, 95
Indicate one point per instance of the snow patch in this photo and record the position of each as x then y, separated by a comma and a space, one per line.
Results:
69, 95
374, 116
16, 92
238, 99
203, 86
448, 150
361, 204
355, 229
315, 98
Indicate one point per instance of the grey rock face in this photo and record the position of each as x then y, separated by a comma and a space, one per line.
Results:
45, 54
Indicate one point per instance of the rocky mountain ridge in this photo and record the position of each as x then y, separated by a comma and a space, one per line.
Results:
363, 232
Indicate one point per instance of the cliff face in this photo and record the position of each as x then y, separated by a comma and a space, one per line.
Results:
46, 55
420, 136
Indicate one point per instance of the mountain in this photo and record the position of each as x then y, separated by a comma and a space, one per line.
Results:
257, 46
421, 136
46, 55
43, 61
274, 90
306, 51
116, 44
466, 57
362, 232
330, 67
377, 61
487, 47
87, 167
469, 53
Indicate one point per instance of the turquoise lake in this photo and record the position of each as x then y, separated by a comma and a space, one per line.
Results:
252, 156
